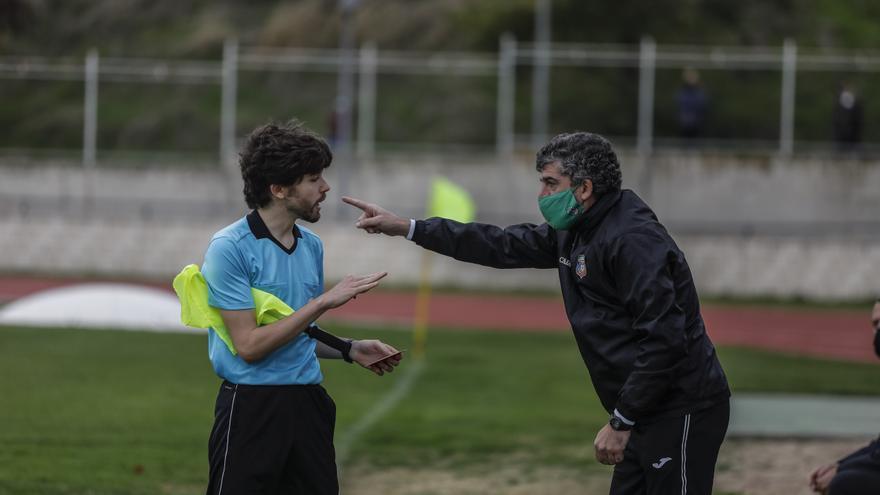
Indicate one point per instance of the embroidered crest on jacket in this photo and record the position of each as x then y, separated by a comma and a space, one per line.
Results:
581, 268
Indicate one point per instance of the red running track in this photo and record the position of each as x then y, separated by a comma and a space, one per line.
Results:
835, 334
829, 333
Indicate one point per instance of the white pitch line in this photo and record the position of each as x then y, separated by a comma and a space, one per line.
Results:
382, 406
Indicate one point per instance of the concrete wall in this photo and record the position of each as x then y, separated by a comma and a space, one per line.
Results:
750, 225
801, 196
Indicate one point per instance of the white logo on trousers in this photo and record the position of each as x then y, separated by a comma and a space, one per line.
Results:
658, 465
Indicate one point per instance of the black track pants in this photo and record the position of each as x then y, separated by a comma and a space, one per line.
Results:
674, 456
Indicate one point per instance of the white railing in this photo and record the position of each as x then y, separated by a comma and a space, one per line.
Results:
368, 62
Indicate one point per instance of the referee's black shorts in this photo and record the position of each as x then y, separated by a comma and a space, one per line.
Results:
270, 439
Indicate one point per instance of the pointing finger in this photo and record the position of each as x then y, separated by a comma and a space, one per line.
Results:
357, 203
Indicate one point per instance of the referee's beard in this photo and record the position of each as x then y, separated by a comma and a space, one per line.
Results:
312, 215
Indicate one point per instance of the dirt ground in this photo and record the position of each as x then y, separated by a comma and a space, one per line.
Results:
774, 466
745, 467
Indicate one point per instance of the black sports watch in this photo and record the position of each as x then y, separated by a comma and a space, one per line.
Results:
617, 424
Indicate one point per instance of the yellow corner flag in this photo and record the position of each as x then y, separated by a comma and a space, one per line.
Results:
449, 200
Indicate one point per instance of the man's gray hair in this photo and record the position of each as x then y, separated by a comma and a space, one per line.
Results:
582, 156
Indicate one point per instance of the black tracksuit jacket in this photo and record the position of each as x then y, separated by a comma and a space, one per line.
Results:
629, 296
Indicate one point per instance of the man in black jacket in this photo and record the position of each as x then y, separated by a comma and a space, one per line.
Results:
631, 301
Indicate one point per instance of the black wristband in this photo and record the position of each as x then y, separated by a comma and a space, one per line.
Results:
341, 345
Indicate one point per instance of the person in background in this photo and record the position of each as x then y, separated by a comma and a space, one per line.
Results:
848, 118
693, 105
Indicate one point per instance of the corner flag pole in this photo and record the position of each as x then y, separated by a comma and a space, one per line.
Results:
423, 305
446, 200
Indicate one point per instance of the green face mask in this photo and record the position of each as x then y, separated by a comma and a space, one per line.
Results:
561, 210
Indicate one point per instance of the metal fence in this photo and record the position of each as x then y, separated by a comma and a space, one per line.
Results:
368, 63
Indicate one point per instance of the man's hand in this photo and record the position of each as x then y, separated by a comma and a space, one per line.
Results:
364, 352
821, 477
349, 288
377, 220
610, 444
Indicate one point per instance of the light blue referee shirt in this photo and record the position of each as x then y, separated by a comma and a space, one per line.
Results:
245, 255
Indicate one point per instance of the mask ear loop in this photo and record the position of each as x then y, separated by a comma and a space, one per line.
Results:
577, 195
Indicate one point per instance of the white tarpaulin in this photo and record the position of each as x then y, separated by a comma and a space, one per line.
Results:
100, 306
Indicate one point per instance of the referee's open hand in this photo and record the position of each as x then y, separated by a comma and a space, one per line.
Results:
348, 288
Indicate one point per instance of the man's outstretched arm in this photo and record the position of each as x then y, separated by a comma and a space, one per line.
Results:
517, 246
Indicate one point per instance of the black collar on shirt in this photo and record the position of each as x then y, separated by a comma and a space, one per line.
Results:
260, 231
593, 217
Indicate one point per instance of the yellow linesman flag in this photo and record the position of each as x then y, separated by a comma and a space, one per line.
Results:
449, 200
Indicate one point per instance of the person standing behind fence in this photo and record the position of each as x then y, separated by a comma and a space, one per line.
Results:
693, 105
848, 118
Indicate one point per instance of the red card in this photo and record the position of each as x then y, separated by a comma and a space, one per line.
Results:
398, 353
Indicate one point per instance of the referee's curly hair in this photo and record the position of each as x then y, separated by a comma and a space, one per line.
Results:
583, 155
280, 154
